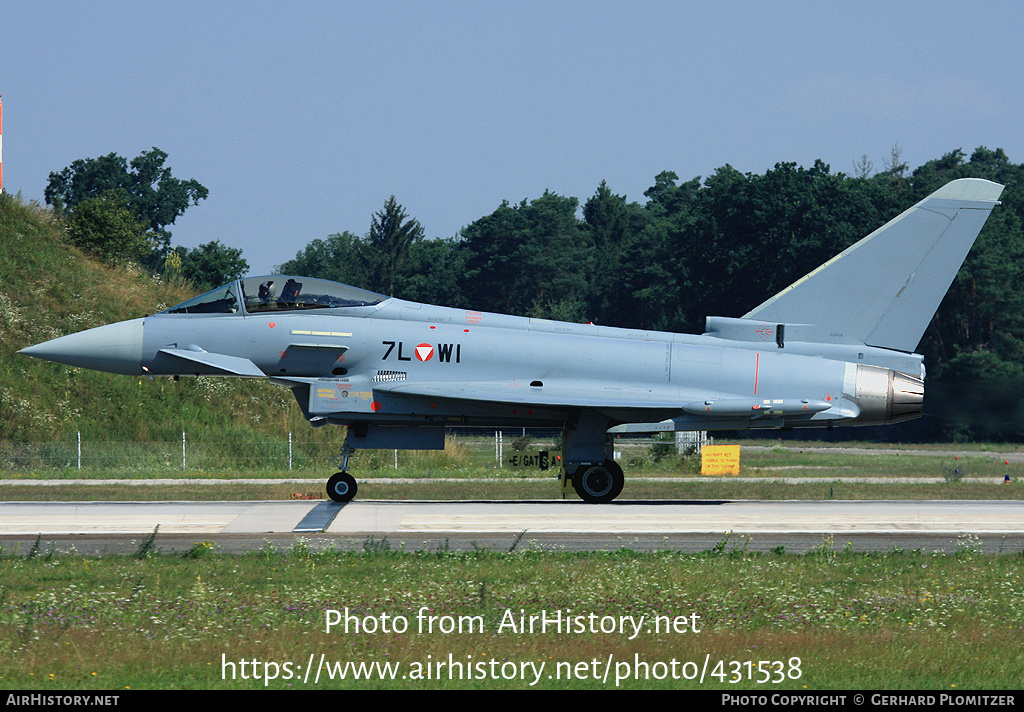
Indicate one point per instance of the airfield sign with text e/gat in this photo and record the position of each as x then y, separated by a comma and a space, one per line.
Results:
529, 460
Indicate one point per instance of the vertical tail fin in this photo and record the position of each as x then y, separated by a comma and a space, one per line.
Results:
884, 290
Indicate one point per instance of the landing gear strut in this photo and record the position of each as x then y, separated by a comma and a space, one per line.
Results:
342, 487
598, 484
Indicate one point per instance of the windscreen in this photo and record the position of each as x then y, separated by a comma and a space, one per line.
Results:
284, 293
222, 300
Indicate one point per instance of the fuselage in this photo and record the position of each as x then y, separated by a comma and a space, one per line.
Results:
368, 358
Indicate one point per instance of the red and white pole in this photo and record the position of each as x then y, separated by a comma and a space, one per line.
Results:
1, 145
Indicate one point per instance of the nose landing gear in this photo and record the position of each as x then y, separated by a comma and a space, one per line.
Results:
342, 487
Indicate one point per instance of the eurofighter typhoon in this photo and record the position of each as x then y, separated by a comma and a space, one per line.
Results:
836, 348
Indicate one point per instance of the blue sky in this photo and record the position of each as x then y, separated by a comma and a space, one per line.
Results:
302, 119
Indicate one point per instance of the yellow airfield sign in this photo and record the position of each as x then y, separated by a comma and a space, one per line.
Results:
720, 460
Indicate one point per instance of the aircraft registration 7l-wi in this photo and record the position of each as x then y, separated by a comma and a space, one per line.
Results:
836, 348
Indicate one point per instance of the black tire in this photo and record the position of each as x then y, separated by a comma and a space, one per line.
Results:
598, 484
620, 478
342, 487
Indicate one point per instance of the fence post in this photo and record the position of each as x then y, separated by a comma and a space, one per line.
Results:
182, 450
289, 451
79, 449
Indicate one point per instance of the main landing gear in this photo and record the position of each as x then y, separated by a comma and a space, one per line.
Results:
594, 483
598, 484
342, 487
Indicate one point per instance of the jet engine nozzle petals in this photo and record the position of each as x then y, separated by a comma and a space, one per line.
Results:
886, 396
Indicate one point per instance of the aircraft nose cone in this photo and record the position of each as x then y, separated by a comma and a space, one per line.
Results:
115, 348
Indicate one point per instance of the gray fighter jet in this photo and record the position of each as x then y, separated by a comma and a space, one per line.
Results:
836, 348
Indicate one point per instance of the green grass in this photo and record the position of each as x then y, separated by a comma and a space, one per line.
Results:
822, 463
869, 621
966, 447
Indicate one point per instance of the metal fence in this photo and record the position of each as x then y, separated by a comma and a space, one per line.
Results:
182, 455
485, 447
287, 453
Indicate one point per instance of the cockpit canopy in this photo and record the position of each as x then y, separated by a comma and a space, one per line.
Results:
277, 293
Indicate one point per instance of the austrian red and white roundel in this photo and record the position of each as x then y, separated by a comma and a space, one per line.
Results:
424, 352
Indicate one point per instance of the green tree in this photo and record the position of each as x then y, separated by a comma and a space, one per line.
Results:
153, 194
338, 258
386, 247
978, 332
743, 237
533, 258
432, 272
665, 198
393, 259
618, 230
212, 264
107, 227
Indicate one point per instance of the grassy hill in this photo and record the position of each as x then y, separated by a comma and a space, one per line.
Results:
49, 288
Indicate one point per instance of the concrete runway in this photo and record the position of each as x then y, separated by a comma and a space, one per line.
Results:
101, 527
